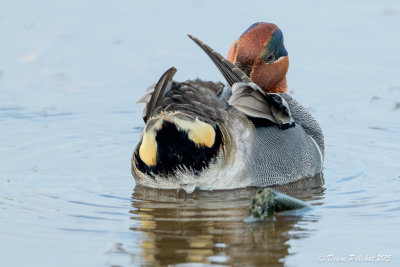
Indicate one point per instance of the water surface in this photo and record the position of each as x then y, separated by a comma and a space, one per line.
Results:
70, 74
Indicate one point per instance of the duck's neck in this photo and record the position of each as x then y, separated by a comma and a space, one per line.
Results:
281, 87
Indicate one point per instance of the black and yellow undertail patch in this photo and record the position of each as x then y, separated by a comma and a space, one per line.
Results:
178, 149
200, 133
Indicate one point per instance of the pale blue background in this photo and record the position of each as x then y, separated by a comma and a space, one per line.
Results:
71, 72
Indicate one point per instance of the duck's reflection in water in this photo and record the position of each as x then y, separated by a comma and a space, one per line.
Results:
208, 227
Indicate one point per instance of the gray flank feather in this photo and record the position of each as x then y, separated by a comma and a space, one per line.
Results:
303, 117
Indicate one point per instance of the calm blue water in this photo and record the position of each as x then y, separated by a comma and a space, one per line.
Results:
70, 74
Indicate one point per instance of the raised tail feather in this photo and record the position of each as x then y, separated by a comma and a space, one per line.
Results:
159, 91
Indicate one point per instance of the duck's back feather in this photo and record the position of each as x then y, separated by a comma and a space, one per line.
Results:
193, 98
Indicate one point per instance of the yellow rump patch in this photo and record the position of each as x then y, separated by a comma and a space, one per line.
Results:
201, 133
148, 148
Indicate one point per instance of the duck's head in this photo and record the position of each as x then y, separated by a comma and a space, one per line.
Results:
260, 53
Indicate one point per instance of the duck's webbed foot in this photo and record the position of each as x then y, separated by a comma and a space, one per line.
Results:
267, 202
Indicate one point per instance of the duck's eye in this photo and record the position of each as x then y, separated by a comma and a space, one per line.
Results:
270, 58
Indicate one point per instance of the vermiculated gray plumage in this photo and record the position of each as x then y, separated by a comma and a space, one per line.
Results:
283, 156
301, 115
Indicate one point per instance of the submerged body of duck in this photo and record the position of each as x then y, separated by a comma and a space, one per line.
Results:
209, 136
